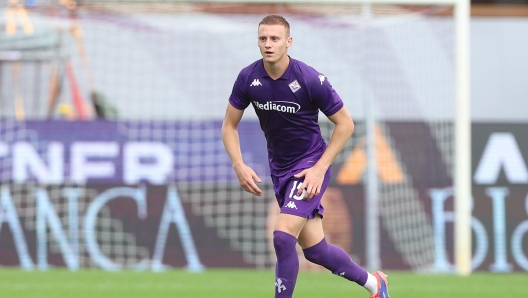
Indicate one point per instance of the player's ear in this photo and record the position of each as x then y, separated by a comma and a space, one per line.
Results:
289, 42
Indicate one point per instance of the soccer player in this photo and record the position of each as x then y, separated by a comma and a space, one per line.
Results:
287, 96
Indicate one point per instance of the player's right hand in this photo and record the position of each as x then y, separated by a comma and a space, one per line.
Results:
247, 178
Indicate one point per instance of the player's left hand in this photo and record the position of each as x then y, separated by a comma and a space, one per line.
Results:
313, 180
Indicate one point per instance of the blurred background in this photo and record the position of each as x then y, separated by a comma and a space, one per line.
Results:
111, 154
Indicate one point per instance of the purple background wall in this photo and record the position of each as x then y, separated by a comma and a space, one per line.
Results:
199, 189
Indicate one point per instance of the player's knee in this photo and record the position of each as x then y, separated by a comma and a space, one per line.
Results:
317, 259
317, 254
284, 244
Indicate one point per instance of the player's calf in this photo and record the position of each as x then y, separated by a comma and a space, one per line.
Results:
287, 266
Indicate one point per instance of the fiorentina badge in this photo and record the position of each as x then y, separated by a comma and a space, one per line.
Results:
294, 86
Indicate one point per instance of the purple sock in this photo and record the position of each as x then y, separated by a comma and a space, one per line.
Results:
336, 260
287, 266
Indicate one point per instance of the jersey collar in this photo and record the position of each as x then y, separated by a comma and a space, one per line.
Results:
285, 76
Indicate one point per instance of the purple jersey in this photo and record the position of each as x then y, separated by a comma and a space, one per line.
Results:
288, 110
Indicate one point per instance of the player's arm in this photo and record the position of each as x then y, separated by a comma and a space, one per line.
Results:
344, 127
314, 176
245, 174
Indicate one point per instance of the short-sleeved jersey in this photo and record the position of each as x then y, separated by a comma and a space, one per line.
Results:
288, 110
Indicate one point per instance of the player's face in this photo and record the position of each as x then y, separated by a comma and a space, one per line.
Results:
273, 41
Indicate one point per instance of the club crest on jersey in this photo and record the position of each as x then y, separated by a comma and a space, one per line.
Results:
294, 86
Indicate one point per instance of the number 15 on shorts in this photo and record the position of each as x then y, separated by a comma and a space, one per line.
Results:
296, 186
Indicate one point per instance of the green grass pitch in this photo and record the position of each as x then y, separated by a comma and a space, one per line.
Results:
15, 283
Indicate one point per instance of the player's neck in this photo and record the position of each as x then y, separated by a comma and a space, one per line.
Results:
276, 69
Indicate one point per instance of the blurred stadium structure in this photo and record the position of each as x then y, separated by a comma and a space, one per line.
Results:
161, 72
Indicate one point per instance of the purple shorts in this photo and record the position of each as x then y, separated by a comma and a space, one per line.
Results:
286, 187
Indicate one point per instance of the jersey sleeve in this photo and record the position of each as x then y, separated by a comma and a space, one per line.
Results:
239, 98
325, 97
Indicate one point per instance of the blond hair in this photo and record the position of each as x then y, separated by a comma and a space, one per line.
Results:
274, 19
